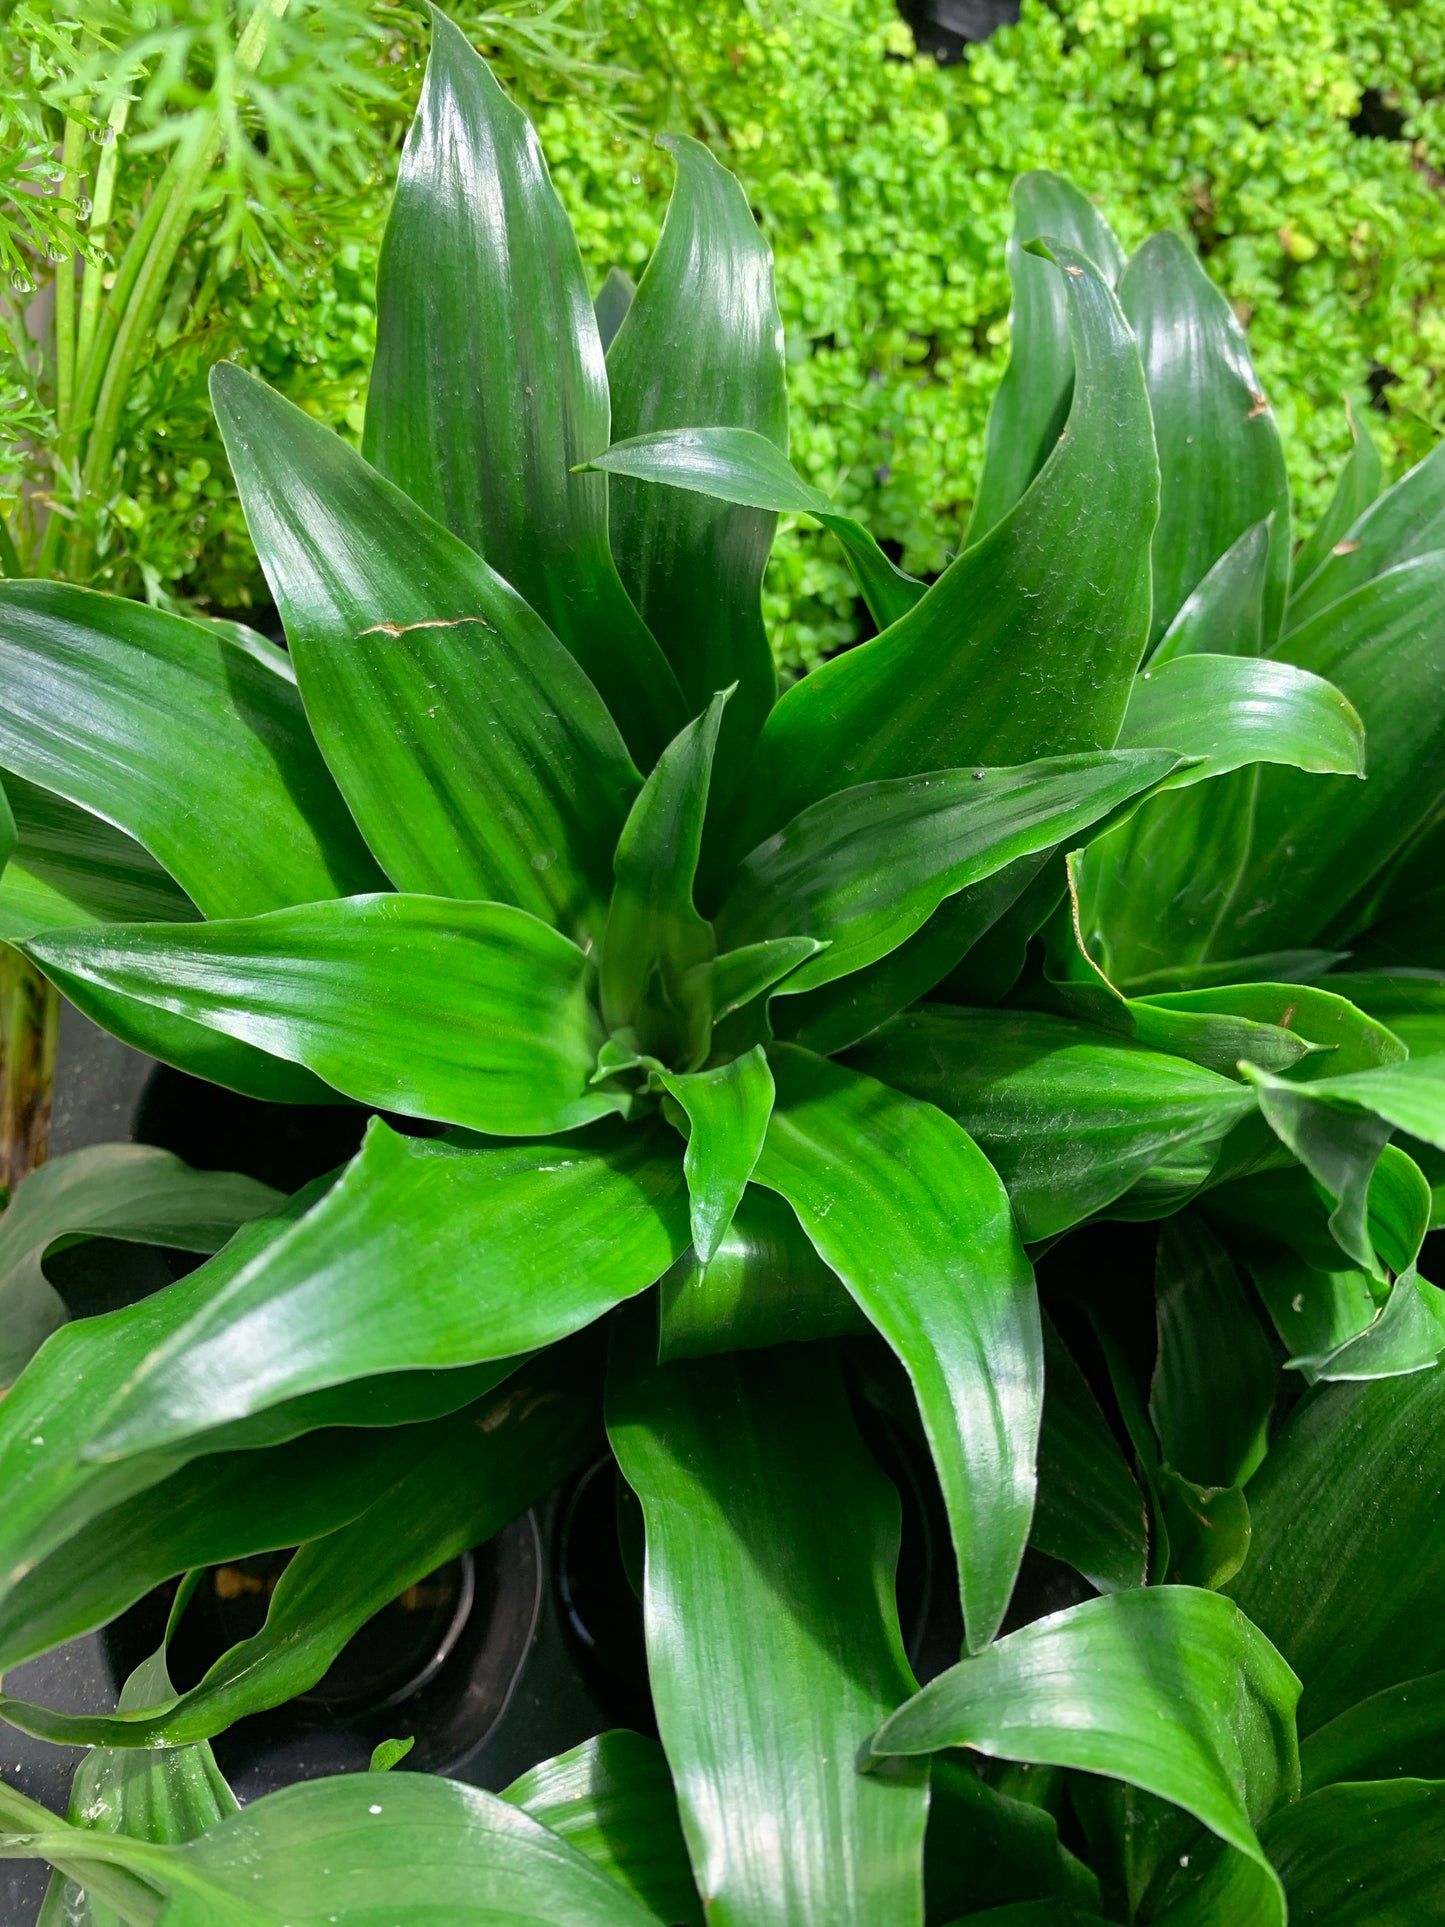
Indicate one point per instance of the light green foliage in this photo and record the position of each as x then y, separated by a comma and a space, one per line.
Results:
882, 183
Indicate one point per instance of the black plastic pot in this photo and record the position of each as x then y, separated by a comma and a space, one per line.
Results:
944, 28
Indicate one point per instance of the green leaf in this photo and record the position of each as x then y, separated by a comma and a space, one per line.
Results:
996, 910
702, 344
1166, 1688
866, 867
942, 688
1089, 1512
438, 1255
1339, 1148
390, 1753
1395, 1735
1032, 402
181, 740
129, 1191
1338, 1036
983, 1846
475, 1013
1355, 489
9, 835
1362, 1856
1347, 1571
765, 1285
1406, 522
1215, 1380
1224, 615
70, 867
740, 466
910, 1215
1009, 1076
612, 1799
474, 753
461, 1480
728, 1108
611, 302
1233, 710
1412, 1003
489, 386
221, 1506
1207, 1527
1409, 1096
1302, 847
416, 1846
655, 938
1221, 466
772, 1542
165, 1797
738, 976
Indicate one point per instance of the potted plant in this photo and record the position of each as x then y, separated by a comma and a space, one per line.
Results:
751, 1024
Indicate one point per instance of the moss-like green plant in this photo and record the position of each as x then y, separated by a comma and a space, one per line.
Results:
763, 1046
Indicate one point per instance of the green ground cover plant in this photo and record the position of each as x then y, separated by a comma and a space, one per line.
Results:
1027, 1027
881, 182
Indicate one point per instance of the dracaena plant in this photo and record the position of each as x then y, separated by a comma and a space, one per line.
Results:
735, 1019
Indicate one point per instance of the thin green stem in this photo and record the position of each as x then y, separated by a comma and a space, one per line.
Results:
138, 304
72, 151
10, 563
93, 281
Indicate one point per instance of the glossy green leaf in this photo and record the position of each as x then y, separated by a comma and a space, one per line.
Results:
1008, 1077
1233, 710
740, 466
738, 976
1409, 1096
984, 1846
765, 1285
1337, 1146
192, 1047
1356, 487
476, 756
912, 1218
1395, 1735
220, 1507
702, 344
439, 1255
9, 835
1407, 521
864, 868
1221, 465
181, 740
1089, 1512
1276, 857
351, 1851
728, 1108
1411, 1003
1347, 1572
612, 1799
1207, 1526
1340, 1036
489, 385
1362, 1856
1215, 1379
1031, 405
129, 1191
165, 1797
944, 687
70, 867
611, 302
476, 1013
655, 940
387, 1754
1224, 615
465, 1478
772, 1540
845, 1011
1167, 1688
